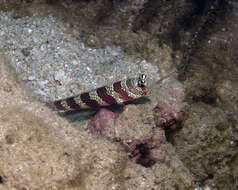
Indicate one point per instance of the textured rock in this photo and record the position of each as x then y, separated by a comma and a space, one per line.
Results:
38, 151
171, 175
78, 160
139, 127
53, 154
213, 58
207, 145
134, 129
208, 138
149, 29
42, 152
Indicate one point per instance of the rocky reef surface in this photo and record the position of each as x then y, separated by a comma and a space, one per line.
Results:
183, 135
41, 62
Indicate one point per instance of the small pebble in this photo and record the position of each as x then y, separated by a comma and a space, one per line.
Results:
31, 78
26, 51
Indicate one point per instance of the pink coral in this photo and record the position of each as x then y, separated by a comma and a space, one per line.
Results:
134, 129
103, 120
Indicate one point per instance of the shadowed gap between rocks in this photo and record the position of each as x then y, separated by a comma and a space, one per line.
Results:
200, 19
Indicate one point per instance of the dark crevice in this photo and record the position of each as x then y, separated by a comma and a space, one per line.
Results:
145, 159
208, 96
143, 152
147, 13
198, 19
201, 23
210, 176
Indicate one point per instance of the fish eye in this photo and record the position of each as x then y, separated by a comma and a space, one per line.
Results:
142, 80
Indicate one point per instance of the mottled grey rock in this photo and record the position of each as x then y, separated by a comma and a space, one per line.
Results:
207, 145
39, 47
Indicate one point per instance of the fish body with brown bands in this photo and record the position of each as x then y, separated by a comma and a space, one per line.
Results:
116, 93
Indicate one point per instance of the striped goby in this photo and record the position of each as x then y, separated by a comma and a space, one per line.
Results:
116, 93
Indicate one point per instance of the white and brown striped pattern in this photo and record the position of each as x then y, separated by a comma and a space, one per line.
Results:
116, 93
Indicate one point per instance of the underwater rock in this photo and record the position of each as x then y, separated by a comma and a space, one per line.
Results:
147, 152
170, 174
207, 145
128, 125
166, 117
132, 128
101, 123
39, 149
